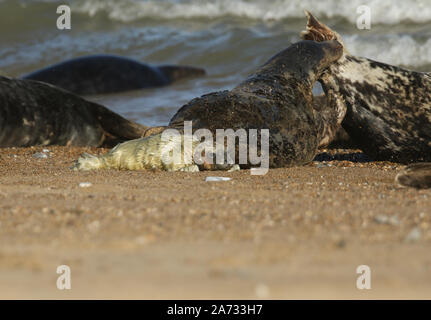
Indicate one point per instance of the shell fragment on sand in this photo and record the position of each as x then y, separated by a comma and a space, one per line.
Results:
85, 184
213, 179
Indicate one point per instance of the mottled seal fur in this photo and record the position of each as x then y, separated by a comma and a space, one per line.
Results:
388, 107
36, 113
277, 97
99, 74
341, 139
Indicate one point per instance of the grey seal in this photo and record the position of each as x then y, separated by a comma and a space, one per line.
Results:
100, 74
36, 113
388, 107
277, 97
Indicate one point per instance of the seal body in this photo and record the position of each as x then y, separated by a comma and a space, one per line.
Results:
388, 108
152, 152
138, 154
36, 113
277, 97
99, 74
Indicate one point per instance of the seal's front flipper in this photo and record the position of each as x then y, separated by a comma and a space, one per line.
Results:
332, 114
117, 129
417, 175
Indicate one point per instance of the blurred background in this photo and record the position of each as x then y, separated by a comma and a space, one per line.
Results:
229, 38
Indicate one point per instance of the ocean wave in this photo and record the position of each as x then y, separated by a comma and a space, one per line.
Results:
392, 49
382, 11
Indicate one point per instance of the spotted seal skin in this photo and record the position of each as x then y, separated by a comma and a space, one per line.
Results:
278, 97
36, 113
99, 74
388, 108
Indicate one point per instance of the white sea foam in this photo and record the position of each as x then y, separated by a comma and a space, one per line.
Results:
383, 11
393, 49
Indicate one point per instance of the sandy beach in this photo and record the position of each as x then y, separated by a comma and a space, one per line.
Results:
293, 233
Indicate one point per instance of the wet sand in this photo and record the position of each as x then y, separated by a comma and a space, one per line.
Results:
293, 233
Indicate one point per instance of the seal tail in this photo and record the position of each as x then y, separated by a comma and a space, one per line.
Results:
117, 129
417, 175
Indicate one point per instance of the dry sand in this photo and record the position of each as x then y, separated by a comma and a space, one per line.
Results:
293, 233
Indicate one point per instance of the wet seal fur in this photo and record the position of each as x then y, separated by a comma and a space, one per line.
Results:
99, 74
388, 108
36, 113
278, 97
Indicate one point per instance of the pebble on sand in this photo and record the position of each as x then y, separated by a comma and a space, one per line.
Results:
414, 235
383, 219
85, 184
40, 155
211, 179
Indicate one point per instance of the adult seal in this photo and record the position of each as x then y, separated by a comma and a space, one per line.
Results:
100, 74
36, 113
388, 108
277, 97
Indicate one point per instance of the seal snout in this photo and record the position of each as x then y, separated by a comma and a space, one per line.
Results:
334, 49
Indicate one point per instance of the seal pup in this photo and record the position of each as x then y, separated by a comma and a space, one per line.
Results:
36, 113
148, 153
100, 74
417, 175
388, 108
277, 97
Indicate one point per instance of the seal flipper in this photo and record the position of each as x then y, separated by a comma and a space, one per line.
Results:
116, 128
330, 110
417, 175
